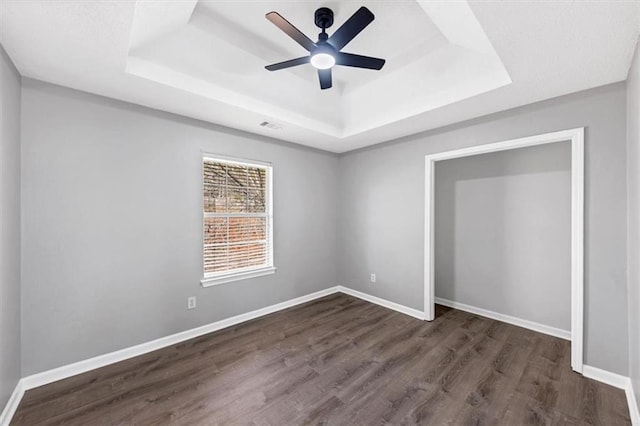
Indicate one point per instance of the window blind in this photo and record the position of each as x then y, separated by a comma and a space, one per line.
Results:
237, 216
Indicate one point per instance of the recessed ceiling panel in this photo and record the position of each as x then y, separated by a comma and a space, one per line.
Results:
221, 50
446, 61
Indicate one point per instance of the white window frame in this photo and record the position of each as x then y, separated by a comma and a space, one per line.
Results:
217, 278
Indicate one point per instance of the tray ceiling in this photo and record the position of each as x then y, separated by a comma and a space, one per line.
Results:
446, 61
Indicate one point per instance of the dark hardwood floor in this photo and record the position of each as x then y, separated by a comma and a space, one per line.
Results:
339, 360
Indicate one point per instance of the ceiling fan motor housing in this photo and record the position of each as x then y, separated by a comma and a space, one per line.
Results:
324, 17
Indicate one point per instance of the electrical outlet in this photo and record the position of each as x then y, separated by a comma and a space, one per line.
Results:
373, 278
191, 302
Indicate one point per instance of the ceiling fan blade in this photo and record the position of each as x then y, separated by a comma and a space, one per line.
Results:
359, 61
289, 63
351, 28
291, 31
325, 78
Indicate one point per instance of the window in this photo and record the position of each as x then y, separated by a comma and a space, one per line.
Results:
238, 222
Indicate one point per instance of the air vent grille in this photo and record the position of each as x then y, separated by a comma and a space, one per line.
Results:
271, 125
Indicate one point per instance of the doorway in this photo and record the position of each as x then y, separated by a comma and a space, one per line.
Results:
576, 138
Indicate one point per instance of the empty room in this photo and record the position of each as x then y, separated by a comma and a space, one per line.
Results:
398, 212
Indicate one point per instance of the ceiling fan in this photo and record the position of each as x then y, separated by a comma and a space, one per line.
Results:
325, 53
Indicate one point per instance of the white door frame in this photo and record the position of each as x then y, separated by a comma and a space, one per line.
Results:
576, 136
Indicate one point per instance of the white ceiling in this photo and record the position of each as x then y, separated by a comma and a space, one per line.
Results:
446, 61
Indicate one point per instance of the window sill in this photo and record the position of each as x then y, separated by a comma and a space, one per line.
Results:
224, 279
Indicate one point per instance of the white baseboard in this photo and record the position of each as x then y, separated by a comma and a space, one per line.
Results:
634, 412
613, 379
69, 370
382, 302
12, 404
83, 366
541, 328
618, 381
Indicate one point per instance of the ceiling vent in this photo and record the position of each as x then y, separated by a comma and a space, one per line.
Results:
270, 125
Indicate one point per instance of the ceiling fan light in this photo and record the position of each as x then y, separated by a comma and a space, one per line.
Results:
323, 61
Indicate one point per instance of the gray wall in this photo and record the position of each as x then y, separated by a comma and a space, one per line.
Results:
112, 228
9, 227
633, 191
503, 232
381, 213
112, 219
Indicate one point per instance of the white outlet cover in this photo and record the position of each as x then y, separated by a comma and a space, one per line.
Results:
191, 302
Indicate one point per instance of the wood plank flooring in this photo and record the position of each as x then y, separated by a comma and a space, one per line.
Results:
341, 361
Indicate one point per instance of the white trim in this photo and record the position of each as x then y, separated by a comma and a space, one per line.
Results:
619, 381
577, 249
613, 379
70, 370
12, 404
634, 412
382, 302
576, 136
561, 136
268, 267
235, 276
79, 367
235, 160
541, 328
429, 240
83, 366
